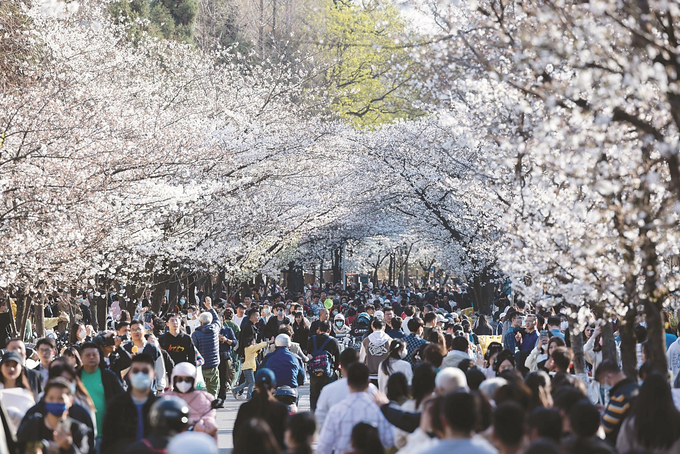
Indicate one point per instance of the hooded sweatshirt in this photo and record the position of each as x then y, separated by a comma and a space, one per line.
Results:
374, 350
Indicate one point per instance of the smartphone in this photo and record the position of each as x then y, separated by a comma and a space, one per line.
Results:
544, 333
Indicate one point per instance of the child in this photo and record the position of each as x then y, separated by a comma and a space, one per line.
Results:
249, 367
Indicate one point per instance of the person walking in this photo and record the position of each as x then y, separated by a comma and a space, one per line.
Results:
324, 355
249, 366
127, 415
206, 339
101, 384
358, 407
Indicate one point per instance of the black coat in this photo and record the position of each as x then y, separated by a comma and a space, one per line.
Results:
112, 384
275, 414
35, 381
32, 428
120, 423
76, 412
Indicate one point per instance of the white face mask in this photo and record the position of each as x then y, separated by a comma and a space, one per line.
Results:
81, 334
403, 353
564, 325
183, 386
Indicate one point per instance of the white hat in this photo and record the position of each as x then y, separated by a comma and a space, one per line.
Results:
193, 442
379, 314
282, 340
183, 370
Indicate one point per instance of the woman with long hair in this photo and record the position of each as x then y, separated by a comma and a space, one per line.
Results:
78, 334
394, 363
654, 423
492, 351
541, 353
15, 391
422, 387
397, 388
264, 406
483, 327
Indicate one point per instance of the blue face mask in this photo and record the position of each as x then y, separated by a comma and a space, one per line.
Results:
182, 301
57, 409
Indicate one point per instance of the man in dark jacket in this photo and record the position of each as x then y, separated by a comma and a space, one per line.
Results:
101, 384
113, 356
127, 415
272, 328
249, 331
206, 340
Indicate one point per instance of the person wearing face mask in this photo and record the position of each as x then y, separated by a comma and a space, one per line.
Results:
393, 364
192, 319
78, 334
201, 414
127, 415
15, 390
622, 392
54, 430
339, 327
271, 329
321, 344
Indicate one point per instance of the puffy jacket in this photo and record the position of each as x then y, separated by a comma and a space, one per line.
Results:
206, 340
286, 366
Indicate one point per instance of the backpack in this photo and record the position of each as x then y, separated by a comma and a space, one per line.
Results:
321, 364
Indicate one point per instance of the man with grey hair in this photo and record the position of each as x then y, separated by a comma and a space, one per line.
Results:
206, 340
450, 379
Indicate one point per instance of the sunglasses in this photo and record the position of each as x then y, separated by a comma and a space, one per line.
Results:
184, 379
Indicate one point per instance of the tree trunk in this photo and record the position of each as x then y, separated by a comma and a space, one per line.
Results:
628, 341
656, 337
39, 313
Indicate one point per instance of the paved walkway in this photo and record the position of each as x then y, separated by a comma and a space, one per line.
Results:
227, 415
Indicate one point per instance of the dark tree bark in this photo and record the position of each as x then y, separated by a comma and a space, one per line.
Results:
577, 348
628, 352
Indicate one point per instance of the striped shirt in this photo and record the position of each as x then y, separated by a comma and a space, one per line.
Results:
621, 397
336, 433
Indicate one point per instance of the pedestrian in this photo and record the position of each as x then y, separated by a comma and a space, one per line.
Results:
54, 429
262, 406
127, 415
300, 433
248, 369
459, 415
394, 363
324, 355
256, 437
206, 340
375, 348
168, 417
654, 421
177, 343
47, 350
228, 344
140, 344
101, 384
287, 367
622, 391
34, 377
201, 412
336, 432
15, 390
366, 439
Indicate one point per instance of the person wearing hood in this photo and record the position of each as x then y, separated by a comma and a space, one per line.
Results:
206, 340
458, 351
375, 349
340, 327
201, 413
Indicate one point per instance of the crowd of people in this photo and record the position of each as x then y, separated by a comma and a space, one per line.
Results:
389, 370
